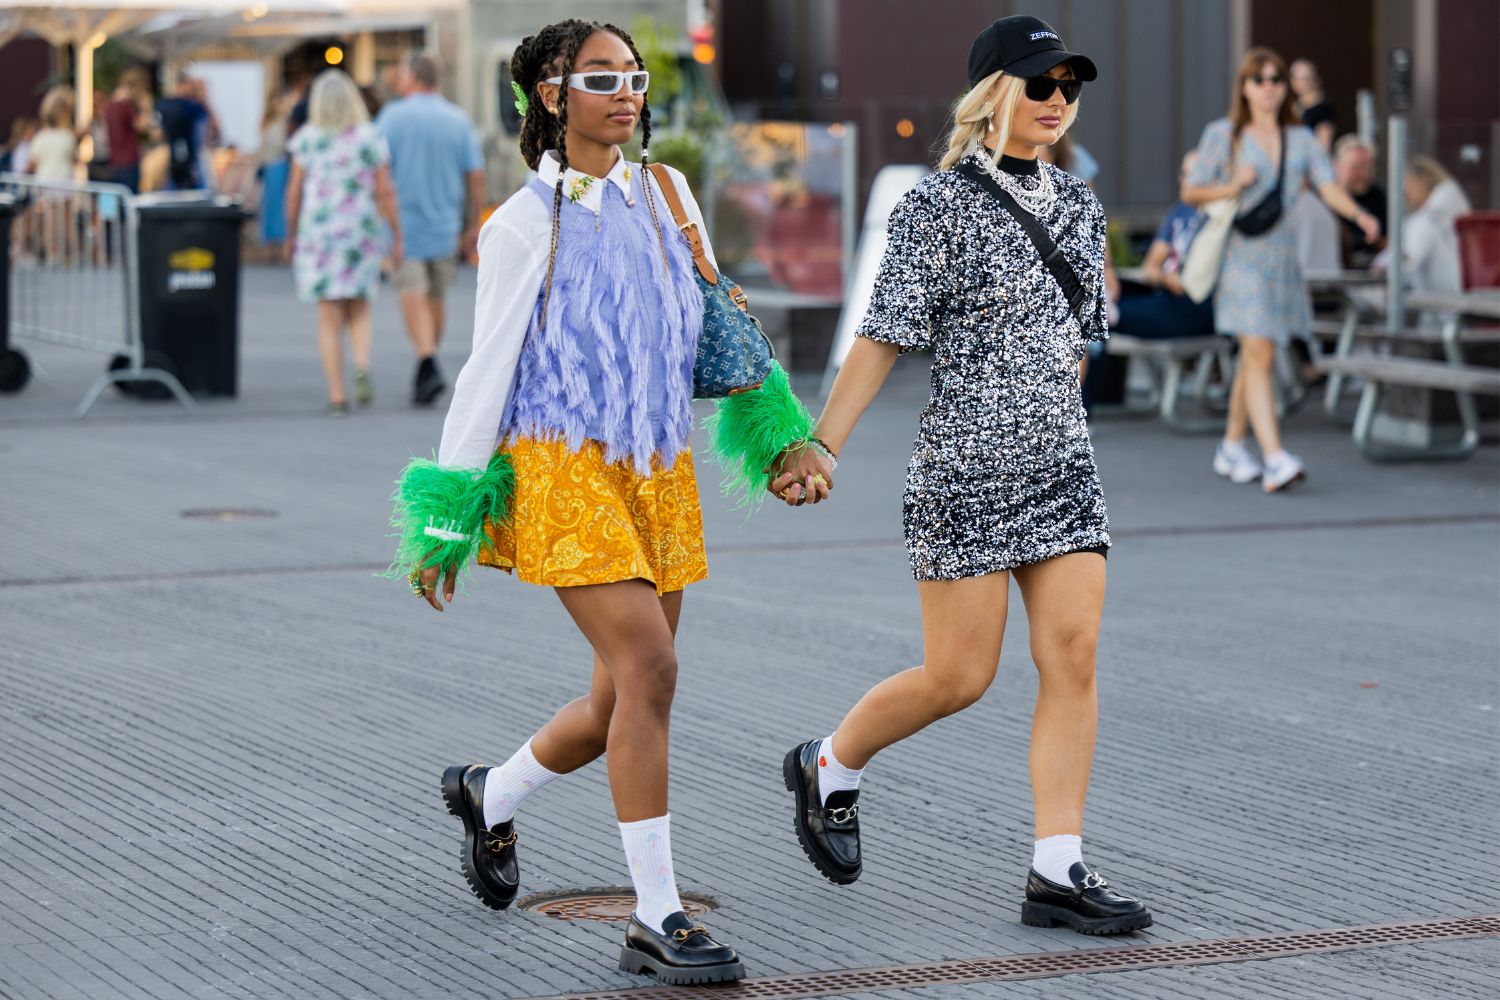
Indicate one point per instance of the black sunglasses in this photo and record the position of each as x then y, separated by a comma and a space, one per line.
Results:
1040, 88
1274, 78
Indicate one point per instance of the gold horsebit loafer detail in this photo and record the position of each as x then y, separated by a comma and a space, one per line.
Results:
498, 843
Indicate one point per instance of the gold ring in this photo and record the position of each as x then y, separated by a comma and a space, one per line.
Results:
820, 480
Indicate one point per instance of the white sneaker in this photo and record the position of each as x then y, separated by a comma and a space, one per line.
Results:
1282, 471
1236, 462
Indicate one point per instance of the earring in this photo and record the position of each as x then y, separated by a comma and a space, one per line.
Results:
991, 121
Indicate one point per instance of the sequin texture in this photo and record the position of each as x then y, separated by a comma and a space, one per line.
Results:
1002, 472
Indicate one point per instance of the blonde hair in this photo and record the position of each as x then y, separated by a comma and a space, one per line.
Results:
57, 108
1427, 170
973, 112
335, 104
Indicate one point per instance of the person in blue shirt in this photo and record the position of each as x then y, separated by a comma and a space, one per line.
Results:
438, 170
1167, 311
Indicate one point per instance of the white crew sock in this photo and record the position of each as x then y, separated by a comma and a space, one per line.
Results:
1053, 856
648, 851
510, 784
832, 775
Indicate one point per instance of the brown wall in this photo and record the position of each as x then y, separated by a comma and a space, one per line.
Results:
26, 64
1335, 36
1468, 96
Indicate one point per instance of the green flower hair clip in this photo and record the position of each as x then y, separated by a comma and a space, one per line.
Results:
522, 104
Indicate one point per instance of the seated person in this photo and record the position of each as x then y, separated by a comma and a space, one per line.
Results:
1354, 168
1429, 238
1166, 311
1161, 310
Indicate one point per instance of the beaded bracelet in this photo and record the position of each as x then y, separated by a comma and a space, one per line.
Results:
823, 449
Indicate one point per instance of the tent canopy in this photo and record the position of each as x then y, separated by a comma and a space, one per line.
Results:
86, 24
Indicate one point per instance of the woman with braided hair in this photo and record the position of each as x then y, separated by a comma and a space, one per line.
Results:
565, 460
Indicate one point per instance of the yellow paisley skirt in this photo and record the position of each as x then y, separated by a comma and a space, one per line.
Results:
576, 520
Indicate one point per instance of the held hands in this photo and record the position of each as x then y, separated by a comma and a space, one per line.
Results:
801, 474
424, 583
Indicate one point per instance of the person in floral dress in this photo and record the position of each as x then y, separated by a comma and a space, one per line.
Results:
339, 190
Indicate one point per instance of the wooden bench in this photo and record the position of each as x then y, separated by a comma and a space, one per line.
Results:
1167, 360
1168, 357
1465, 381
1349, 330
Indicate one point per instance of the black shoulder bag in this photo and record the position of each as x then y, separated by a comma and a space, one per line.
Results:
1266, 212
1051, 254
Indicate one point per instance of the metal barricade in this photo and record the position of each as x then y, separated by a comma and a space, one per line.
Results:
74, 277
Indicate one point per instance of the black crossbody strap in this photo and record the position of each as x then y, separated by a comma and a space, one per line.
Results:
1052, 256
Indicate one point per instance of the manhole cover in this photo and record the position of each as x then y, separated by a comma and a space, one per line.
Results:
608, 903
227, 513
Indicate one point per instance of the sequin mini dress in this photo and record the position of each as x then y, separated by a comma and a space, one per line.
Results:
1002, 472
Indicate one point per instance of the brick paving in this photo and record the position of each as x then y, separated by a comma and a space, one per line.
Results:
220, 739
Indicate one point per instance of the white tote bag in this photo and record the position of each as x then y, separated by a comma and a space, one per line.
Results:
1200, 268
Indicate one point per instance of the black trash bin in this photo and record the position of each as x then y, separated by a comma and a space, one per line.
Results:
14, 369
188, 252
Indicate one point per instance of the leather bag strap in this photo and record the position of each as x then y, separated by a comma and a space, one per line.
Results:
1052, 256
679, 216
694, 237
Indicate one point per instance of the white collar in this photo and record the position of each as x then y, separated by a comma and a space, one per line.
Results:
623, 174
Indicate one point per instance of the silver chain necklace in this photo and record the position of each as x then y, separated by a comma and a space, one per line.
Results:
1038, 200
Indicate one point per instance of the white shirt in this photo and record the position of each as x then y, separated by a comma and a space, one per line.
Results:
52, 155
513, 249
1430, 241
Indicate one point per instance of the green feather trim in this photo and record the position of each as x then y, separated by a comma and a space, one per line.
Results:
748, 430
439, 513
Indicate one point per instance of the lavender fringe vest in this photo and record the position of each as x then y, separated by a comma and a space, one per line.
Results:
614, 362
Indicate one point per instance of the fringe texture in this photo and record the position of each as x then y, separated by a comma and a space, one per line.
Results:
439, 513
748, 430
616, 314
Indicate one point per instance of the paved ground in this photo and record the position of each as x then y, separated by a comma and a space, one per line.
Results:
220, 739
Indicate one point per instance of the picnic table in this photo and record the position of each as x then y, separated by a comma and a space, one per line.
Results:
1460, 312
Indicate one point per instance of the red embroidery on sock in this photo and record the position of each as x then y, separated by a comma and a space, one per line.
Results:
822, 761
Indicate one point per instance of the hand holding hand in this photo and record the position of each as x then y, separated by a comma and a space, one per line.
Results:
424, 583
801, 474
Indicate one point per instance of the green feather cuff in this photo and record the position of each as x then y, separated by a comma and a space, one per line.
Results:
439, 512
748, 430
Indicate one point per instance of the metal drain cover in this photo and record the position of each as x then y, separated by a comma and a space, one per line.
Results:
606, 903
227, 513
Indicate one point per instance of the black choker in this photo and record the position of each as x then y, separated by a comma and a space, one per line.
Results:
1019, 167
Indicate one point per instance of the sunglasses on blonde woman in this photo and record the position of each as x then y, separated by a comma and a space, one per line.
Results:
1274, 79
605, 82
1040, 88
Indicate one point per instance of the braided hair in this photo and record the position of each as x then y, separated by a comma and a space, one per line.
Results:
550, 52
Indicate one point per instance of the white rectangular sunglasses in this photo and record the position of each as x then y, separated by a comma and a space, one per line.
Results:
605, 81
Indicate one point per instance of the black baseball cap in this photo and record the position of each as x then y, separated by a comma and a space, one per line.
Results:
1023, 46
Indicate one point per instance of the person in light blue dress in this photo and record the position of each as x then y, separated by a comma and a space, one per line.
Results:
1260, 298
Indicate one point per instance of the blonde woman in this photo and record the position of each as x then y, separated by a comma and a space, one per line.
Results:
1002, 480
1260, 155
1430, 240
339, 189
